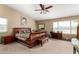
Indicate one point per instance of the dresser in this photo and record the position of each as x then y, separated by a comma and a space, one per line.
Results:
56, 35
8, 39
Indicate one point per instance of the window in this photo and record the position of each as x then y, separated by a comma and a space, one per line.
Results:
64, 26
55, 26
3, 24
67, 27
74, 25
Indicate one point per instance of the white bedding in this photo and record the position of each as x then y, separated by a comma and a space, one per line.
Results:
22, 36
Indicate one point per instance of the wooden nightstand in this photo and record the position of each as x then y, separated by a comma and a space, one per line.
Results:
8, 39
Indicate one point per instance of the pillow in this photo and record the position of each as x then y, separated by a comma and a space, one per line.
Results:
22, 35
27, 35
22, 38
17, 34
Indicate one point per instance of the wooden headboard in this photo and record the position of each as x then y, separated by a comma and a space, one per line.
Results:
17, 30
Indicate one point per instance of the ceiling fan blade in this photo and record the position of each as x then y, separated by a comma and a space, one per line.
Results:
42, 6
46, 10
48, 7
38, 10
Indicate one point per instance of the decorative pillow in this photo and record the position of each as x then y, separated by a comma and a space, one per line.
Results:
17, 35
22, 38
27, 35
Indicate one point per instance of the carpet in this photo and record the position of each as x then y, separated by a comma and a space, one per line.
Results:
53, 46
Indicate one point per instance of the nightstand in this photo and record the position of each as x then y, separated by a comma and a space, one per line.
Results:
8, 39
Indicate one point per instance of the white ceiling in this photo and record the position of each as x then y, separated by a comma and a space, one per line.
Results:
58, 10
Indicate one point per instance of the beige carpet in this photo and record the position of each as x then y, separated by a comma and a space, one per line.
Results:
53, 46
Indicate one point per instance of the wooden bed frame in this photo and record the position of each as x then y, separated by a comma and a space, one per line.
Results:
16, 30
33, 37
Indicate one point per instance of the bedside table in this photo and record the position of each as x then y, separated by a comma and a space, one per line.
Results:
8, 39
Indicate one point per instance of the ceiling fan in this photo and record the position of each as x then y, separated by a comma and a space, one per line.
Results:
44, 9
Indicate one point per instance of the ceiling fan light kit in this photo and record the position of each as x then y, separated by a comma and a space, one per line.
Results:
43, 12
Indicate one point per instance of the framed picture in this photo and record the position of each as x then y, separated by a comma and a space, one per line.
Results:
23, 21
41, 26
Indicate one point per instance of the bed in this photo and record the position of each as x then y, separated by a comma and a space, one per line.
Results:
25, 36
21, 35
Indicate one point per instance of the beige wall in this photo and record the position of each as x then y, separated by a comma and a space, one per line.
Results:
49, 24
14, 17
